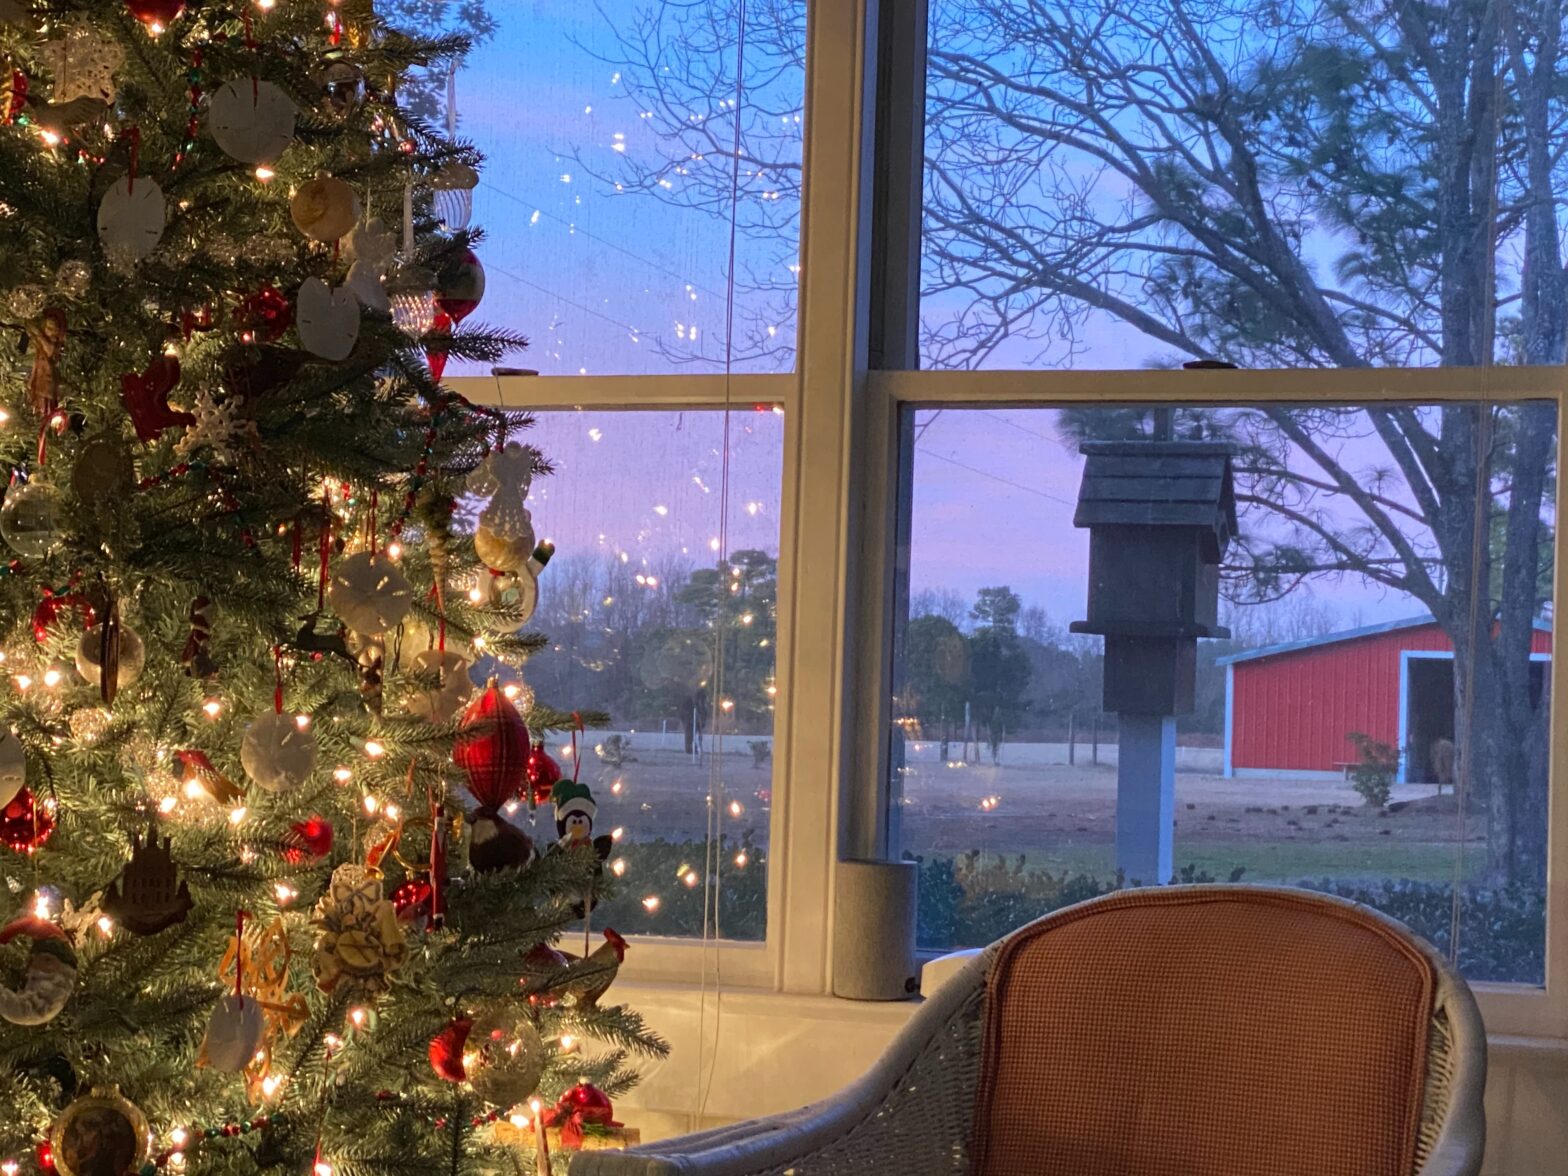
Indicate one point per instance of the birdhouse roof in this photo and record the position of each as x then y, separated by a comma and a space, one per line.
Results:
1159, 484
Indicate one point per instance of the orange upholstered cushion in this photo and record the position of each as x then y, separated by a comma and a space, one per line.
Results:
1204, 1032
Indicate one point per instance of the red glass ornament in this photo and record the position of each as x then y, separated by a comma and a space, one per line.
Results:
583, 1105
159, 12
543, 775
439, 326
24, 823
462, 287
45, 1156
313, 839
47, 614
446, 1050
267, 312
411, 900
492, 748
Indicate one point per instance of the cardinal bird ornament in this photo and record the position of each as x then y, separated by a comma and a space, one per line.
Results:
146, 398
492, 751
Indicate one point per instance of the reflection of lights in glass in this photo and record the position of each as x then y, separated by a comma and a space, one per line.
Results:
691, 878
618, 867
736, 808
741, 859
989, 803
651, 903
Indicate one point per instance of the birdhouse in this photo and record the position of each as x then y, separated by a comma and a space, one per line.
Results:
1160, 515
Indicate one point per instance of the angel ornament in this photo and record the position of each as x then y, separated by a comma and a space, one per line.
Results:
504, 538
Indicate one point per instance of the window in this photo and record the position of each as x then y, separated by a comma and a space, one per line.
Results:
660, 609
1284, 183
610, 133
1334, 739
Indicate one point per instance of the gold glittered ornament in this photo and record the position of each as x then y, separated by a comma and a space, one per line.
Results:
324, 208
102, 1133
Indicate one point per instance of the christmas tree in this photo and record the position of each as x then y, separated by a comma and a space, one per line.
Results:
282, 884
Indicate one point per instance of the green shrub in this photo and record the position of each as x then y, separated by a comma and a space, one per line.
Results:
1373, 775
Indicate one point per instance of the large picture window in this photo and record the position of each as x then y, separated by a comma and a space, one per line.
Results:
1120, 183
660, 606
1375, 724
610, 130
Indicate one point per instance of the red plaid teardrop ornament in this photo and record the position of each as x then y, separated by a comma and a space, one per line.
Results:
492, 748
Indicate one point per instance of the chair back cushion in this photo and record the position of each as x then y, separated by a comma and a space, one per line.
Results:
1204, 1031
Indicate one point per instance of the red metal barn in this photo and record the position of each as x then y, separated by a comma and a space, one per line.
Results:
1289, 709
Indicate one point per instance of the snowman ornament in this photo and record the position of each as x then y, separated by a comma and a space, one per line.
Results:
504, 538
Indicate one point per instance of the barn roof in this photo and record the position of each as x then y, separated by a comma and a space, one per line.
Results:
1541, 625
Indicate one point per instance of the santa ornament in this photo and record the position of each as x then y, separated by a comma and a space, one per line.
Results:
492, 751
50, 976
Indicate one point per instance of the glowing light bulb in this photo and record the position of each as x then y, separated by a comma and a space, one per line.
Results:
475, 596
691, 879
51, 678
342, 775
651, 903
265, 173
270, 1084
168, 803
511, 691
24, 682
358, 1016
236, 815
617, 833
105, 925
568, 1043
394, 550
392, 812
49, 137
371, 805
618, 867
323, 1168
741, 859
302, 722
41, 905
374, 750
213, 707
286, 893
332, 1041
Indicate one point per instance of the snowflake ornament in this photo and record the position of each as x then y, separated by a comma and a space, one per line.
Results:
221, 427
83, 62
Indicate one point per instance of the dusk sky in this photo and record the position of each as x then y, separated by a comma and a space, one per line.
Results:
607, 283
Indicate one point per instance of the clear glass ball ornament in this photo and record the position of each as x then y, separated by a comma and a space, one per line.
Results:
30, 519
74, 278
26, 301
411, 289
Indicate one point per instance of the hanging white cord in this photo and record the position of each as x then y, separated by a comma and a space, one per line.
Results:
711, 929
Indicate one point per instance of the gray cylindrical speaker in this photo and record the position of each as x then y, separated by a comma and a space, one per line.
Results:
874, 931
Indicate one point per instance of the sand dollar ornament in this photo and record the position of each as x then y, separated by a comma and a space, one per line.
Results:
130, 218
234, 1034
369, 593
101, 1134
30, 519
252, 121
278, 752
328, 319
50, 976
504, 538
13, 766
451, 688
324, 208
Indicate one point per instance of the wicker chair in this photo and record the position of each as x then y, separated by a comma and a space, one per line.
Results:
1314, 1009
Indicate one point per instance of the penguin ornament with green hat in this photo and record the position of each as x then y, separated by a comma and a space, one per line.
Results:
575, 811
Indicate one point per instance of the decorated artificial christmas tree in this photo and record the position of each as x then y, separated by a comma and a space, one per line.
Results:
281, 884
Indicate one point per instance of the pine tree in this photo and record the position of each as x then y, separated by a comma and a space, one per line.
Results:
252, 889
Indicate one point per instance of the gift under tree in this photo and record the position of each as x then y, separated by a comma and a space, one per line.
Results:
282, 883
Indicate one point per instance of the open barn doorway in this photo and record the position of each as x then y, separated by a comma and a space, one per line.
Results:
1426, 716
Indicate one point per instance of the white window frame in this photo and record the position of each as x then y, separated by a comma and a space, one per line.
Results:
845, 463
1509, 1010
